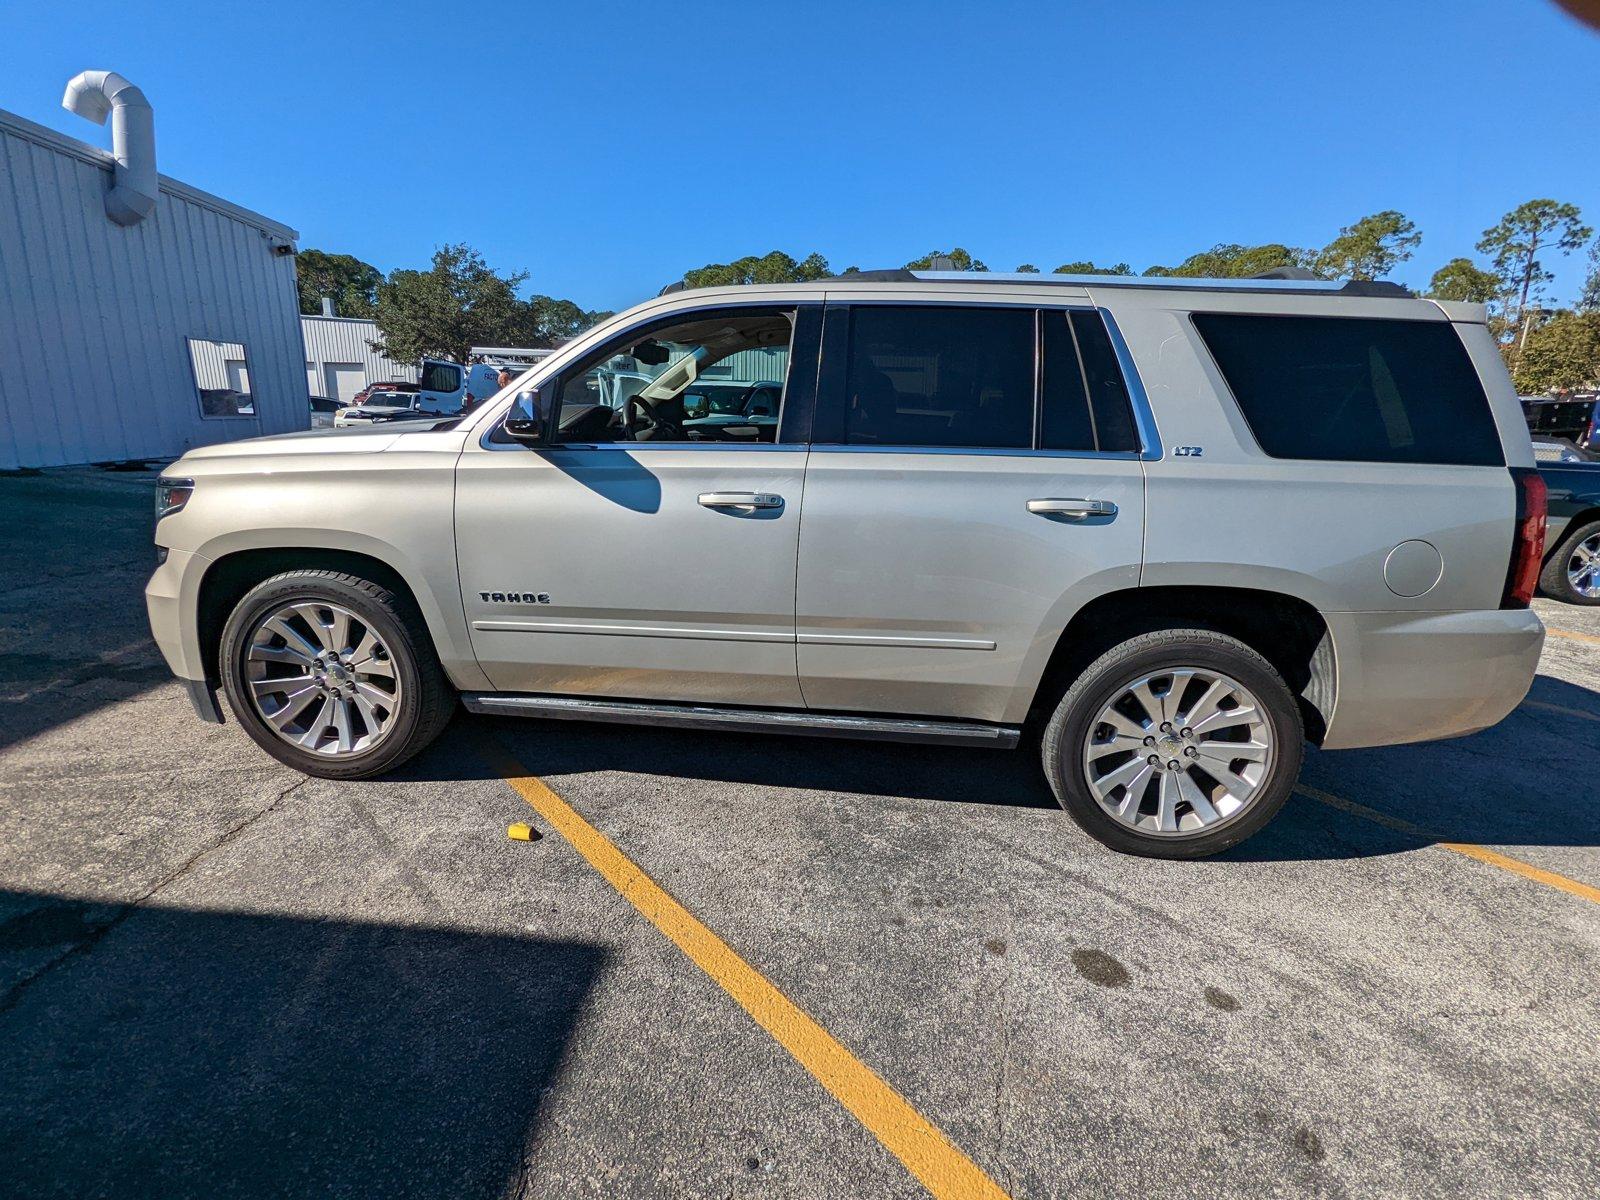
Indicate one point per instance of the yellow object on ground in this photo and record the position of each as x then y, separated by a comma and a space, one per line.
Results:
936, 1162
521, 831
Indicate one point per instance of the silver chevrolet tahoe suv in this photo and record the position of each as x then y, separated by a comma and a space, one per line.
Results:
1166, 530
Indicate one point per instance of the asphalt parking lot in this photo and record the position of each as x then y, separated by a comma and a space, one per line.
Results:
218, 978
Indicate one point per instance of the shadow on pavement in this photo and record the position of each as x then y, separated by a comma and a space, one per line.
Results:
177, 1053
75, 552
1507, 786
551, 749
1520, 783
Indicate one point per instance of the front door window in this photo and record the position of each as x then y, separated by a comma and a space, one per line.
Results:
702, 377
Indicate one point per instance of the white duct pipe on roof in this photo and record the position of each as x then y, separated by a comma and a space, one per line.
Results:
94, 95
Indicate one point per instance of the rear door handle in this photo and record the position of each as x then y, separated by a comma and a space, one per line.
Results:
1074, 508
740, 500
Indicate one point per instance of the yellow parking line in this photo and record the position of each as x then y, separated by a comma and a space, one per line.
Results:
1482, 853
1562, 709
1572, 635
935, 1161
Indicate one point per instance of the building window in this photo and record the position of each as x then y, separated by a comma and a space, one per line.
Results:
222, 378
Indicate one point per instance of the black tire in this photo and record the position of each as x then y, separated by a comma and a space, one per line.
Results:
1069, 727
427, 701
1553, 580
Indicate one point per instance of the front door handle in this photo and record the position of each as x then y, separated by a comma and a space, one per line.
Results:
1073, 508
740, 500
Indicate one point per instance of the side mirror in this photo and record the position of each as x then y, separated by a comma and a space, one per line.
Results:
525, 422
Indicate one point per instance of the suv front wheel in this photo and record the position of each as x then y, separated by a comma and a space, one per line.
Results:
1175, 744
333, 675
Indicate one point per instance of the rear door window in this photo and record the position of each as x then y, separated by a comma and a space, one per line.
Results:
969, 377
936, 375
1354, 389
1085, 403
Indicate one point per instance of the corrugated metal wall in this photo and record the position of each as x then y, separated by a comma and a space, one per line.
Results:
95, 317
345, 340
752, 366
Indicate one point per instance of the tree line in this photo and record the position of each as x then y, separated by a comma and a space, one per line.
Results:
1547, 346
457, 302
460, 301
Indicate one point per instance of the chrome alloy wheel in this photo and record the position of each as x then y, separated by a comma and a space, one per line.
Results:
322, 678
1179, 752
1583, 567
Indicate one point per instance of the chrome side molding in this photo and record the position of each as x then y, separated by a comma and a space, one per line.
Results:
745, 720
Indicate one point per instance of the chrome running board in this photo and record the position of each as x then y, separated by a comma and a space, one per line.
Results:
745, 720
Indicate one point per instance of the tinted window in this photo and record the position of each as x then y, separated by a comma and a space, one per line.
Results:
440, 377
1355, 389
940, 376
1108, 393
1068, 420
1064, 422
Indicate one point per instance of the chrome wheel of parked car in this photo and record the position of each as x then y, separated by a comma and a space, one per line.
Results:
322, 679
1583, 567
1179, 752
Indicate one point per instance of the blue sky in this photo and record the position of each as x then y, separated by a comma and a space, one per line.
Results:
607, 146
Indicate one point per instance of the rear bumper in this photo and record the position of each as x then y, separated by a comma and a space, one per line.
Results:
1413, 677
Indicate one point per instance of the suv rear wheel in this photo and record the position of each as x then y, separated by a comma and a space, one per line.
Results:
1572, 573
330, 674
1175, 744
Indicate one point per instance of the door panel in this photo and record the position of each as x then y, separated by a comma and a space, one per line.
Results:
926, 586
597, 571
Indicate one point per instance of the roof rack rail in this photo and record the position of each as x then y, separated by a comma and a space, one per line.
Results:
1286, 273
892, 275
1376, 287
1352, 287
1283, 279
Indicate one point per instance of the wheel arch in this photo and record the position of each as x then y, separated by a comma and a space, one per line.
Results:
231, 574
1286, 630
1573, 523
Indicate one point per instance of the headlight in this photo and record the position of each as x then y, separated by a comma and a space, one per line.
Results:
172, 495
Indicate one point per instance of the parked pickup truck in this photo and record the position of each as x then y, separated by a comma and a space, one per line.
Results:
1572, 533
1164, 530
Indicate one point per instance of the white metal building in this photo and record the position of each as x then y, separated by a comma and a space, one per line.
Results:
340, 360
139, 316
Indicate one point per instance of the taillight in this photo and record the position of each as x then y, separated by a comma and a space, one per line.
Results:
1527, 541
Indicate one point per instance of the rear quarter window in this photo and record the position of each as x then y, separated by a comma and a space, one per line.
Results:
1354, 389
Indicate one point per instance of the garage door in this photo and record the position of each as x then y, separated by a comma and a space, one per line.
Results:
344, 380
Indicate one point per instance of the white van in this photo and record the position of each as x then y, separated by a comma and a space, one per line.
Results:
445, 385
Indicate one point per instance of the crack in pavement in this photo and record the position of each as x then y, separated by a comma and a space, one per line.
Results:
13, 994
413, 882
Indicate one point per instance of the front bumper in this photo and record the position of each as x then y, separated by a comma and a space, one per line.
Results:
164, 602
1414, 677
